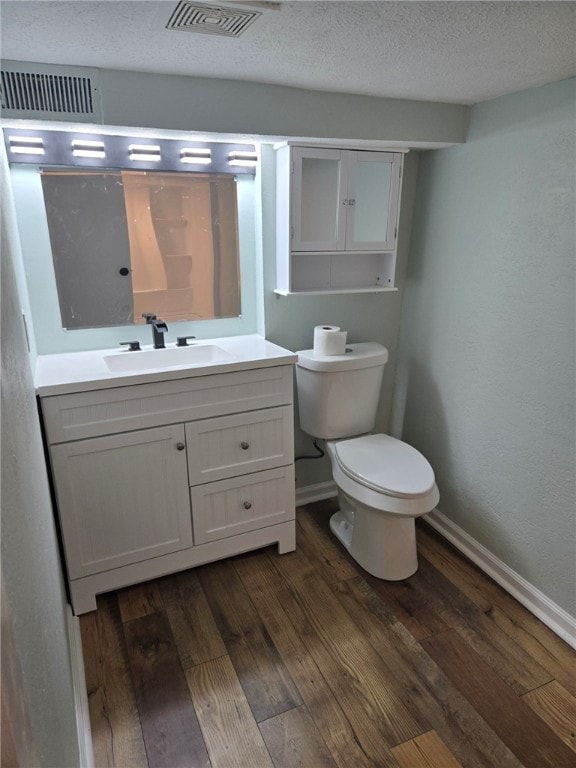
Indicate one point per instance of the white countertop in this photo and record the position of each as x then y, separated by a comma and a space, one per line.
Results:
70, 372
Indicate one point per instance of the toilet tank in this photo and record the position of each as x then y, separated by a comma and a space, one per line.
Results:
338, 395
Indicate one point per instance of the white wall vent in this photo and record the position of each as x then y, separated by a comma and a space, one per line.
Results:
50, 92
226, 20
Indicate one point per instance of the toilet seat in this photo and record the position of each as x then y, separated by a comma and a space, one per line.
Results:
386, 465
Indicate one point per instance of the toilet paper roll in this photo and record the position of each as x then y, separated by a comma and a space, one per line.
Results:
329, 340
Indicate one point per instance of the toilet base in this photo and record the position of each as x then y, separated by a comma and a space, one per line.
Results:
384, 545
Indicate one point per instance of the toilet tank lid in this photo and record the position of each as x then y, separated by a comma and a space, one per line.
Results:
366, 354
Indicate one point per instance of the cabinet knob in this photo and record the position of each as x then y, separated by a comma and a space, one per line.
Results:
247, 504
180, 446
244, 445
351, 202
344, 202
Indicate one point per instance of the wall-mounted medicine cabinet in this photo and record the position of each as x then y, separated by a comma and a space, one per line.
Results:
336, 219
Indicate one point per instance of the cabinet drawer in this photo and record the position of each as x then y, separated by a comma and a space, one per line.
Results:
122, 409
230, 507
236, 445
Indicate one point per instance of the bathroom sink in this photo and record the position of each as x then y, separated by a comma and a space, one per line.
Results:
174, 357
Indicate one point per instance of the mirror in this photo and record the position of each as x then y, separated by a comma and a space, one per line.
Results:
128, 242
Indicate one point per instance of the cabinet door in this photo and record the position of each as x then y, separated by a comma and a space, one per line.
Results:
319, 200
123, 498
373, 187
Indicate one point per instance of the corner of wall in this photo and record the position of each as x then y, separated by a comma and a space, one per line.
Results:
10, 232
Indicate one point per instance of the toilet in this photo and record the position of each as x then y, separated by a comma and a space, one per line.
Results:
383, 483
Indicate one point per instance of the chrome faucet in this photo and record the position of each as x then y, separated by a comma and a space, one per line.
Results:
159, 328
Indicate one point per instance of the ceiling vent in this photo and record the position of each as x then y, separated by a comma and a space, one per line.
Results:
49, 92
228, 21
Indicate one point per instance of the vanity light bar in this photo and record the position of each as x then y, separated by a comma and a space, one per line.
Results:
196, 155
26, 145
243, 159
86, 148
94, 150
147, 152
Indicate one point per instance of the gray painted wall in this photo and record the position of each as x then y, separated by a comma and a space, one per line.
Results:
231, 106
35, 652
485, 384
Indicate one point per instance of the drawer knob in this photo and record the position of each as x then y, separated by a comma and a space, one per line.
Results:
246, 504
244, 445
180, 446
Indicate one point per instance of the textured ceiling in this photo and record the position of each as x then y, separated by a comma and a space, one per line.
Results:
460, 52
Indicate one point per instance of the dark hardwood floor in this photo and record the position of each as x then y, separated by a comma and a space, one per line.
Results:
305, 660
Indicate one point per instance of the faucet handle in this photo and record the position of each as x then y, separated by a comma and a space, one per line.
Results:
133, 346
182, 341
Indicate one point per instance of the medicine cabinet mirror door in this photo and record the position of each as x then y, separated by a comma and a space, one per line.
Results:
318, 191
372, 204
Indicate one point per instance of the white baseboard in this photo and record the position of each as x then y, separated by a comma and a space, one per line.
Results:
318, 492
555, 617
80, 693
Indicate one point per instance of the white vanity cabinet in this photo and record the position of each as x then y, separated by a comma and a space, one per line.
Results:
337, 215
158, 477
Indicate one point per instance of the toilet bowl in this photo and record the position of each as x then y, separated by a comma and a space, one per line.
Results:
383, 485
